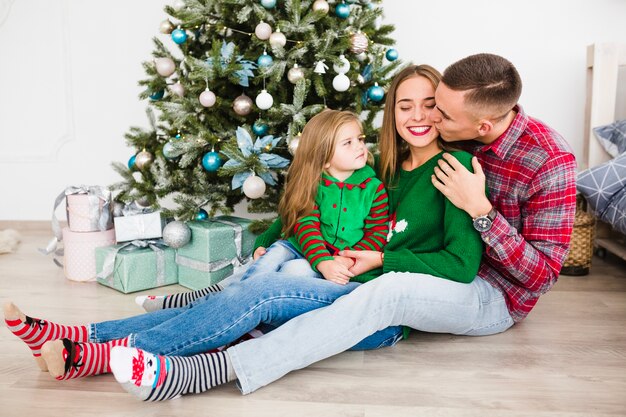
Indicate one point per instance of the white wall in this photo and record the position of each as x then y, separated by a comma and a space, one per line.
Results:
69, 72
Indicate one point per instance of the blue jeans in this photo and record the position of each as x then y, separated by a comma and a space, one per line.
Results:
281, 256
221, 318
420, 301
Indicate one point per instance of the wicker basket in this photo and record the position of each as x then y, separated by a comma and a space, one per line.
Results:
578, 260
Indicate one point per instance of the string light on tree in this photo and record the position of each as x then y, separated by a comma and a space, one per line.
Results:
264, 100
242, 105
253, 187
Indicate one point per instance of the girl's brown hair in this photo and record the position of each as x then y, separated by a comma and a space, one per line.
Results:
315, 150
394, 149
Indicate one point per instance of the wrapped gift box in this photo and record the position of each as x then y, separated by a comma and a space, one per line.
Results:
80, 252
216, 246
136, 268
138, 227
85, 213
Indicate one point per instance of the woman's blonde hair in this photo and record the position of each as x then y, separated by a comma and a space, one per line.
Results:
394, 149
315, 150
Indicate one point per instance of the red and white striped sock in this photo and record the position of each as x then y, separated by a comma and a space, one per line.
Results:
35, 332
67, 359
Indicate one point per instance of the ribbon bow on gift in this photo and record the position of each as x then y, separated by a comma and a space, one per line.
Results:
108, 266
100, 218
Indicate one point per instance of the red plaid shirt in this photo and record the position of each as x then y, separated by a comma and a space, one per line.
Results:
530, 172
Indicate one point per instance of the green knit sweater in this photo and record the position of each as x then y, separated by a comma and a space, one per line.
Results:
429, 234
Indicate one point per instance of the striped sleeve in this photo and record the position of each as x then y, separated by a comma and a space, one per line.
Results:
310, 239
376, 223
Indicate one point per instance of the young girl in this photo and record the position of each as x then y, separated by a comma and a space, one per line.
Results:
332, 202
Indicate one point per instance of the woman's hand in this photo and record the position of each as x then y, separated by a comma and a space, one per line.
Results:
260, 251
365, 260
335, 271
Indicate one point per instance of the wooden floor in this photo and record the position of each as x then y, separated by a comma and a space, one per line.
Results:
567, 359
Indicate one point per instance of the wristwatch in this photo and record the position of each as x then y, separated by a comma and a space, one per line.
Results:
483, 223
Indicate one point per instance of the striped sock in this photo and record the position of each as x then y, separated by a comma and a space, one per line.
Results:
156, 378
35, 332
67, 359
159, 302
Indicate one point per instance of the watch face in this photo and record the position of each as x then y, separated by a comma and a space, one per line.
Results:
482, 224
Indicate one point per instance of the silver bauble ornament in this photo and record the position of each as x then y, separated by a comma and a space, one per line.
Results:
278, 39
143, 201
176, 234
143, 159
242, 105
165, 66
359, 42
321, 6
263, 31
207, 98
295, 74
253, 187
293, 145
166, 27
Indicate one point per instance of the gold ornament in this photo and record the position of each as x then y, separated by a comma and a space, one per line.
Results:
143, 159
166, 27
359, 42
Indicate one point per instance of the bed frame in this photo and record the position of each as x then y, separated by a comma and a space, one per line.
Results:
603, 67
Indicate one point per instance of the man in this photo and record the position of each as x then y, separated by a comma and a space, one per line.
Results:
525, 223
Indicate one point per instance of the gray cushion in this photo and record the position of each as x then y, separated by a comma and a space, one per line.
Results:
599, 184
612, 137
615, 213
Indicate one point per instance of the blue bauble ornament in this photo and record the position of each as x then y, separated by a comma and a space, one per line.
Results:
211, 161
268, 4
131, 162
342, 11
179, 36
391, 54
168, 151
375, 93
202, 214
264, 60
259, 128
157, 95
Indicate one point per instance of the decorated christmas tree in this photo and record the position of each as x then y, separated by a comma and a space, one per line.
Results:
227, 103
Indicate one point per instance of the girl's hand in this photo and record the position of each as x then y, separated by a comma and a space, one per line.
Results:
335, 271
366, 260
260, 251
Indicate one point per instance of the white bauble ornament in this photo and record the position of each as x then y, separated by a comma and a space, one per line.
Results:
177, 89
263, 31
341, 82
253, 187
278, 39
165, 66
207, 98
295, 74
176, 234
293, 145
242, 105
264, 100
178, 4
361, 57
343, 66
321, 6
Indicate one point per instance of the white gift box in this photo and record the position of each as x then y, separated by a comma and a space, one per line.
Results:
138, 226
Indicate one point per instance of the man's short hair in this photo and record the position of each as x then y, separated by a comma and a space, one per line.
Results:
492, 82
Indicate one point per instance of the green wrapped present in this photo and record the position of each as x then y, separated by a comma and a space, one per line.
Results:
216, 246
137, 265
